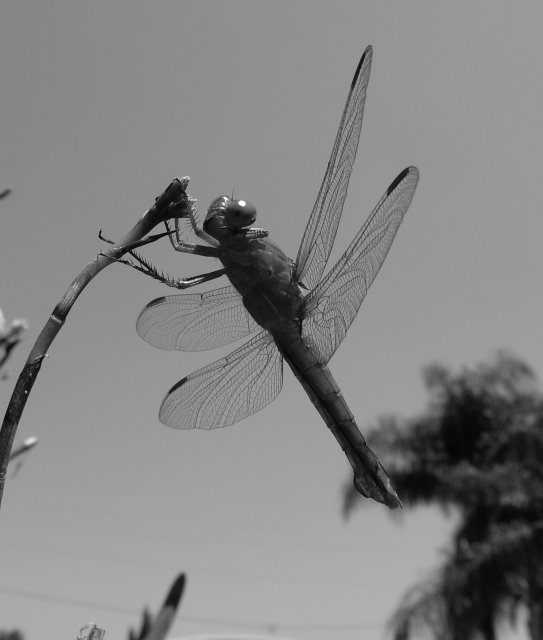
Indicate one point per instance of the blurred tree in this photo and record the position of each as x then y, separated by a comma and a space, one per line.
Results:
477, 449
11, 635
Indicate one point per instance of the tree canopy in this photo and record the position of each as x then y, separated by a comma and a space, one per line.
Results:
477, 448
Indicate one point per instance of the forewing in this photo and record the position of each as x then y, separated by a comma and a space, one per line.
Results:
331, 307
228, 390
195, 322
321, 229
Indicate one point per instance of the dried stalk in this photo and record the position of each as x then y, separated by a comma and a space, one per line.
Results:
173, 203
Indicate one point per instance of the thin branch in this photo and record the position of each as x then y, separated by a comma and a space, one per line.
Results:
172, 203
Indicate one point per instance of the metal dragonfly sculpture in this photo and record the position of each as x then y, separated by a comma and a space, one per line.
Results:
291, 311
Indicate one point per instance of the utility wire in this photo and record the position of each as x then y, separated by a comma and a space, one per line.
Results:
203, 620
281, 577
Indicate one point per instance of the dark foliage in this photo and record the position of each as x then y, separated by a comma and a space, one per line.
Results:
477, 449
11, 635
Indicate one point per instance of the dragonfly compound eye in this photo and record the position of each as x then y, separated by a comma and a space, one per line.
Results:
240, 213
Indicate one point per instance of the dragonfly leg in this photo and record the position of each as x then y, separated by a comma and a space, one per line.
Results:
144, 266
185, 283
177, 243
175, 235
103, 238
137, 243
200, 232
177, 239
188, 247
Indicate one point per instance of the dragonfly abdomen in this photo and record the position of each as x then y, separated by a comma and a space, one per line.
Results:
370, 479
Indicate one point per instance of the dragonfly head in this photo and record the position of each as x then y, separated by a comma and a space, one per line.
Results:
226, 216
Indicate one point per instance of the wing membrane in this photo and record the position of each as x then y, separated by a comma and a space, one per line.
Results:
228, 390
195, 322
332, 306
321, 229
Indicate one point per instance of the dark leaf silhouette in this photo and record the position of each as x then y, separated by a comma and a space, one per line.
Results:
477, 449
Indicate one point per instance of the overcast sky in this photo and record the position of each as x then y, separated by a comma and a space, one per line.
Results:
102, 105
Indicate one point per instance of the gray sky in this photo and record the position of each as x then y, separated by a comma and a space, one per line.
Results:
102, 105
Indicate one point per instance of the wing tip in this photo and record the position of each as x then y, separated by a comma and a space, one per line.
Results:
167, 413
154, 302
141, 314
177, 385
408, 171
365, 59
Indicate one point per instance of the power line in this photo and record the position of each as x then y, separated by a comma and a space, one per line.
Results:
281, 578
69, 602
203, 620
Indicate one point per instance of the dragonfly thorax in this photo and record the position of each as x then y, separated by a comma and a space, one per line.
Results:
225, 215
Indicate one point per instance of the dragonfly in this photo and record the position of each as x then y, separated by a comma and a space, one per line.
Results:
289, 311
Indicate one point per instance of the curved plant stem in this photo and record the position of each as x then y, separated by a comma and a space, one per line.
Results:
172, 203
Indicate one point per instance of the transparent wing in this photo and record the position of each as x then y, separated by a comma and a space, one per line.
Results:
332, 306
321, 229
228, 390
195, 322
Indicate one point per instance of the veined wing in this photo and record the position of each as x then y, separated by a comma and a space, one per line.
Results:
228, 390
321, 229
195, 322
332, 306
